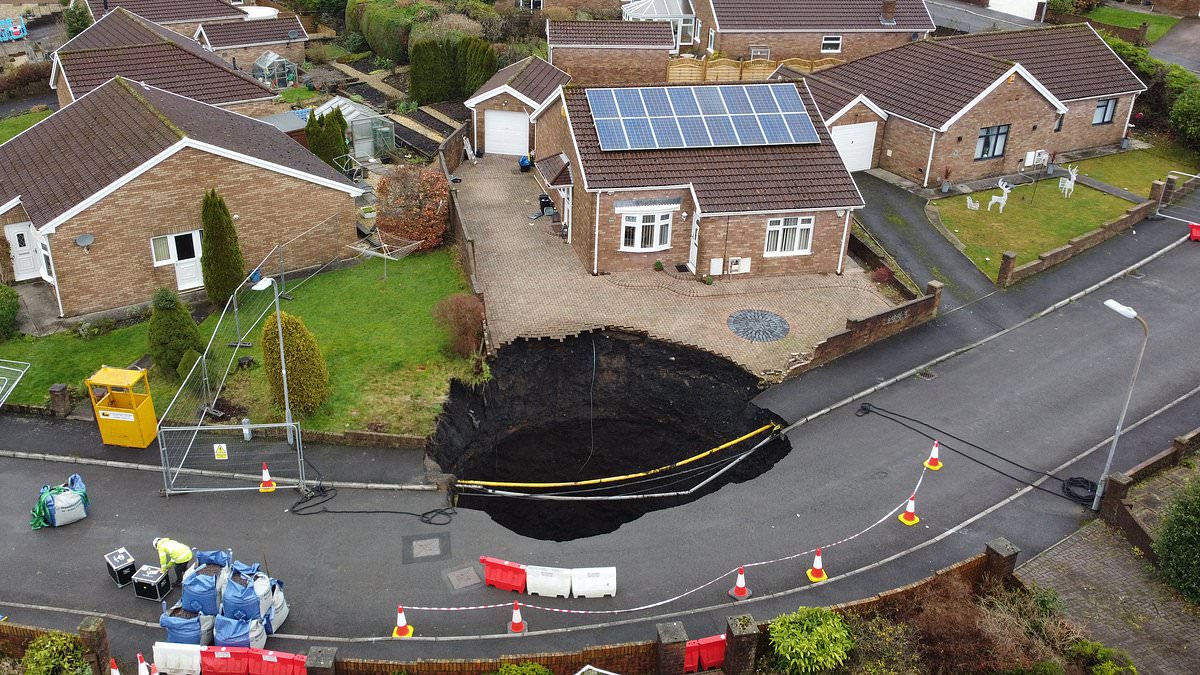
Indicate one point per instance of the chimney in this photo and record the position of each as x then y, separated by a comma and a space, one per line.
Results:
106, 6
887, 16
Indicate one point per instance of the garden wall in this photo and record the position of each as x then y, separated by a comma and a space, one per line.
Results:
15, 638
1135, 35
632, 657
465, 243
1010, 273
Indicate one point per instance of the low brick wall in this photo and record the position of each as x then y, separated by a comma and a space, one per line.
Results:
1010, 273
1135, 35
465, 242
631, 657
450, 152
15, 638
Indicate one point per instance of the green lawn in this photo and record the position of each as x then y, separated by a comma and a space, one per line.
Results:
1135, 170
11, 126
298, 94
388, 364
1159, 23
1027, 228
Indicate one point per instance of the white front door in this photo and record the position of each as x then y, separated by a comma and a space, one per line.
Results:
188, 273
24, 252
694, 246
855, 143
505, 132
565, 193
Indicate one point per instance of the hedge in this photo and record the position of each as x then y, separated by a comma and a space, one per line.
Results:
450, 68
386, 26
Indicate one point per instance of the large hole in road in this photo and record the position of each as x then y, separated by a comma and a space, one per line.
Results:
597, 405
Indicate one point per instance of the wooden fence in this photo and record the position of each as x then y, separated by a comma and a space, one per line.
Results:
685, 69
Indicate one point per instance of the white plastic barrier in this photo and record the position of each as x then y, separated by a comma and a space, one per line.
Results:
594, 582
550, 582
177, 659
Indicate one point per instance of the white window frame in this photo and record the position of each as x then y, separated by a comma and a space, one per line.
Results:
1105, 110
529, 4
712, 39
640, 219
174, 255
760, 52
1001, 133
777, 226
831, 44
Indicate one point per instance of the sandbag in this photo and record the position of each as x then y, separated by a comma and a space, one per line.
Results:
279, 608
239, 633
60, 505
196, 630
241, 601
200, 594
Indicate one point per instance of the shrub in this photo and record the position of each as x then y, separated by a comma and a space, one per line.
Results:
1101, 660
1178, 543
461, 315
1067, 6
221, 259
10, 304
558, 14
386, 24
326, 136
809, 640
171, 332
881, 274
947, 620
527, 668
432, 77
308, 376
511, 52
1165, 82
446, 26
882, 646
77, 18
186, 362
414, 203
1185, 117
317, 54
55, 654
13, 82
353, 42
477, 61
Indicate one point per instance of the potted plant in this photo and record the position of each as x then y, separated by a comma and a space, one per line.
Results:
658, 265
946, 180
1050, 168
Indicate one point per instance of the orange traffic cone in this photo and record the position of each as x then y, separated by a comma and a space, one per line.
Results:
153, 669
402, 629
517, 625
933, 463
112, 667
909, 517
817, 571
143, 669
267, 485
739, 590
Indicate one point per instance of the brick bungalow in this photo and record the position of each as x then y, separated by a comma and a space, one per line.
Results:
975, 106
241, 42
611, 52
127, 45
503, 108
742, 205
181, 16
807, 29
106, 206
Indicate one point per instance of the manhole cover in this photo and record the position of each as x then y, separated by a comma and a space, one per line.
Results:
422, 548
463, 578
758, 325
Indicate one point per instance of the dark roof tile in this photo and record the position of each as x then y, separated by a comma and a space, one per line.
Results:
170, 11
555, 170
812, 15
231, 34
648, 34
531, 77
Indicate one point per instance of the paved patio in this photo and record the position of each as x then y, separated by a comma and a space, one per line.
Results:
535, 286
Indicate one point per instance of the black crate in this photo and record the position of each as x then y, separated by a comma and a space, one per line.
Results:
150, 583
120, 566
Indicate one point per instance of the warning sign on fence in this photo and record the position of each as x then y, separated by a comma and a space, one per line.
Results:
220, 451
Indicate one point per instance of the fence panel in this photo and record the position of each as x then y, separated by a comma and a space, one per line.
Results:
228, 457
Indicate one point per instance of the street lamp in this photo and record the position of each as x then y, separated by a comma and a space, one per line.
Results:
261, 285
1128, 313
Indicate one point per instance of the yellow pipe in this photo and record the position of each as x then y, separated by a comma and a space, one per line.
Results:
613, 479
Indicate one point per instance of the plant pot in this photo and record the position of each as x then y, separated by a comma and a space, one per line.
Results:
1125, 143
945, 186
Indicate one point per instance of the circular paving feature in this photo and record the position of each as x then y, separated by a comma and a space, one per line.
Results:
758, 325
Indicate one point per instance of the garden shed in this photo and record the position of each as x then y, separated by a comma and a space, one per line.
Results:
372, 135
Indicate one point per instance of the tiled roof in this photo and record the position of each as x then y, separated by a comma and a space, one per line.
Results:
1071, 61
927, 82
731, 179
120, 125
170, 11
125, 44
649, 34
830, 97
531, 77
806, 15
250, 33
555, 170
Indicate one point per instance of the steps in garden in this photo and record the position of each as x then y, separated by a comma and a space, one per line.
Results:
445, 121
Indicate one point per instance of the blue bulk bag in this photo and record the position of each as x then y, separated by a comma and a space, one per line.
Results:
240, 602
184, 631
231, 632
221, 558
200, 594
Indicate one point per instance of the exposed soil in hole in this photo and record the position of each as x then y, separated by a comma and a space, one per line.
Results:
544, 418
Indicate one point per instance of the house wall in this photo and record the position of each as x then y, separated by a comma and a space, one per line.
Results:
745, 236
861, 114
553, 136
589, 65
246, 56
119, 271
13, 216
905, 148
263, 108
804, 45
64, 96
498, 102
1078, 131
612, 259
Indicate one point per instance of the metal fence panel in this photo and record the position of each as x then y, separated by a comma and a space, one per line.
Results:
230, 457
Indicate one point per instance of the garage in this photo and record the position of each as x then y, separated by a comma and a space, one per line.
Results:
856, 144
506, 132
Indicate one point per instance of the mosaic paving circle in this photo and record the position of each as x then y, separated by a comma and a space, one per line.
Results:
758, 325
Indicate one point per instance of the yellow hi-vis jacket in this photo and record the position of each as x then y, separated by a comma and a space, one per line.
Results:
171, 552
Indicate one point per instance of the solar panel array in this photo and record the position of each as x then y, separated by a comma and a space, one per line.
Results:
652, 118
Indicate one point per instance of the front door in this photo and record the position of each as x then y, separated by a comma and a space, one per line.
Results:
694, 245
187, 260
565, 193
24, 252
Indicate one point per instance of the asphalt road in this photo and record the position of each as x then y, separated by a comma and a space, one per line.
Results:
1038, 395
971, 18
1180, 45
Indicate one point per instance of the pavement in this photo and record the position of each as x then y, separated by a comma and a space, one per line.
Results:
1180, 45
16, 107
972, 18
1039, 395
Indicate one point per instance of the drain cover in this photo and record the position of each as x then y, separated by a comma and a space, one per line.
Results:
423, 548
758, 325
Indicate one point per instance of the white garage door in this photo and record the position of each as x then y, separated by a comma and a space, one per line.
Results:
505, 132
856, 144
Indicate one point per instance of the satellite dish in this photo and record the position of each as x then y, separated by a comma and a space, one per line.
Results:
84, 240
293, 35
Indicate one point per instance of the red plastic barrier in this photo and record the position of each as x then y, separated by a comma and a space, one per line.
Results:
268, 662
225, 660
505, 575
298, 666
691, 656
712, 652
1194, 231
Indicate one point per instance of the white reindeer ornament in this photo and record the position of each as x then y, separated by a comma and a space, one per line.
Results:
1066, 184
1000, 199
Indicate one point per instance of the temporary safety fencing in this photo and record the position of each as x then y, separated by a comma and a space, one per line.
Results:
583, 582
711, 651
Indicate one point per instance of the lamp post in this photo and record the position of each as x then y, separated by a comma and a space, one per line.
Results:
1128, 313
261, 285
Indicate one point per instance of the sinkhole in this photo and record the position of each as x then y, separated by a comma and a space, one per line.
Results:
601, 404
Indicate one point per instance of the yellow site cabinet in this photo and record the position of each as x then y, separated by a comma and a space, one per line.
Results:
121, 402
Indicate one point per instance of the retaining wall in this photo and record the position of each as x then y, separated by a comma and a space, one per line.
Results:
1135, 35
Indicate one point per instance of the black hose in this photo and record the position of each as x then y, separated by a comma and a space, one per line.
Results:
318, 496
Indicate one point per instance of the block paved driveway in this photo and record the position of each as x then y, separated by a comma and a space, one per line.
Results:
535, 286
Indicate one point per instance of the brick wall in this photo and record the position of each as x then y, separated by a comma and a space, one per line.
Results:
504, 102
861, 114
118, 270
15, 638
804, 45
14, 215
1178, 7
745, 236
612, 259
552, 137
611, 66
259, 109
61, 90
1135, 35
905, 148
246, 56
450, 152
631, 657
92, 638
1079, 133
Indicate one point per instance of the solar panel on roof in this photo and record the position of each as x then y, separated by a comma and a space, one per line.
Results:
700, 116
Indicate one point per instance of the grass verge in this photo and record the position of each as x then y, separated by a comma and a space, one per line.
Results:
298, 94
1159, 23
1136, 169
11, 126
